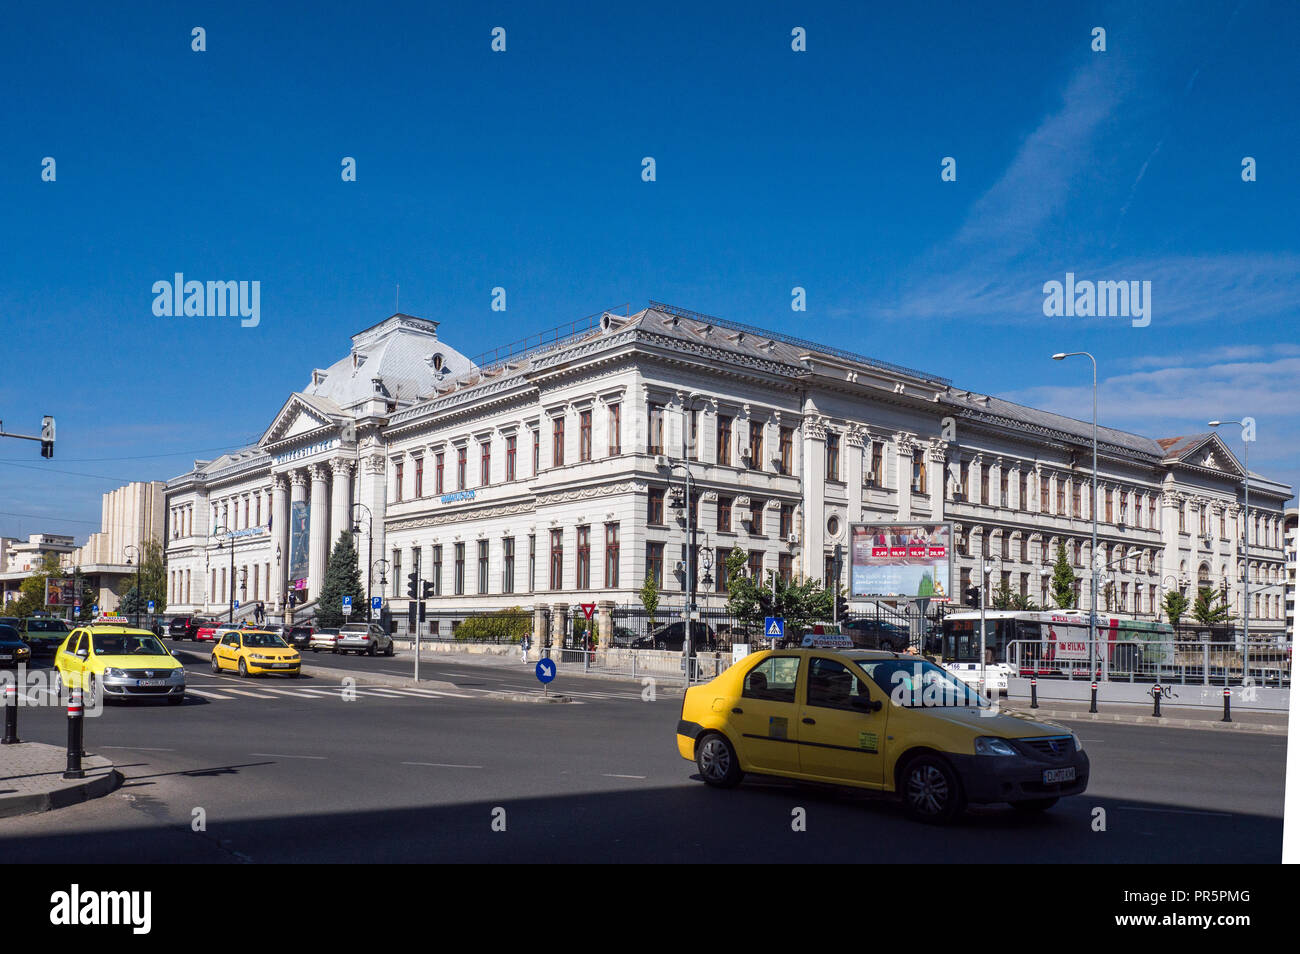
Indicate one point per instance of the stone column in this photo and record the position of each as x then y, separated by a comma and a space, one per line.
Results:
853, 450
540, 622
341, 502
814, 496
903, 450
605, 620
936, 472
320, 542
279, 536
373, 492
559, 626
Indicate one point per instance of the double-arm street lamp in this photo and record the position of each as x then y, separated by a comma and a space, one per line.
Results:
1092, 506
1245, 597
384, 567
215, 532
138, 561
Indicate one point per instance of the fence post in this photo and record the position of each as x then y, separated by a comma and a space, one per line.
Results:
1033, 692
1205, 664
75, 720
1227, 706
1155, 693
1093, 707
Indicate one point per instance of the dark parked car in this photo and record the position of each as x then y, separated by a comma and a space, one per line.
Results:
184, 627
12, 648
299, 637
673, 636
876, 634
43, 634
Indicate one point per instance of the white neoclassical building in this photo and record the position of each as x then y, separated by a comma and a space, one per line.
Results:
538, 479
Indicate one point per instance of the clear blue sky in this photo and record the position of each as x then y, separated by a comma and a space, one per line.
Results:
522, 169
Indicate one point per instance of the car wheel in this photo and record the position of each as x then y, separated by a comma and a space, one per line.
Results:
1035, 804
315, 649
371, 650
175, 700
243, 669
91, 698
717, 762
216, 663
931, 791
390, 650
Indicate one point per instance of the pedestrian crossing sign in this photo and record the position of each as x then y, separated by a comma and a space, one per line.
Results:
774, 627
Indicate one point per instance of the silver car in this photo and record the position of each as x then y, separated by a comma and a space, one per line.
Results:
324, 639
366, 638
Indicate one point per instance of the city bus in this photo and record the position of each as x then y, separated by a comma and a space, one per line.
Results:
1051, 643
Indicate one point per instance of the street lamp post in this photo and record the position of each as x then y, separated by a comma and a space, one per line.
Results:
231, 594
370, 540
1245, 593
138, 561
1092, 506
384, 567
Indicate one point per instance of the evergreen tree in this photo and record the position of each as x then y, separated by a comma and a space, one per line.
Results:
342, 578
1208, 610
650, 597
1062, 580
1175, 606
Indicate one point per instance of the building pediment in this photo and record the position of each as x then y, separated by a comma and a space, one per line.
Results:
302, 415
1206, 451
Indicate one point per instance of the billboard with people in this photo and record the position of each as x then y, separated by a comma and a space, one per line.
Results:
900, 560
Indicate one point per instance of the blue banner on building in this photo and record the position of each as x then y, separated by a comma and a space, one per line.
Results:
299, 539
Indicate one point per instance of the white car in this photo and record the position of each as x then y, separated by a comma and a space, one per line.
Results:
324, 639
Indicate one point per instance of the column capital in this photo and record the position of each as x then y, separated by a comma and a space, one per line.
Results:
341, 467
279, 482
376, 464
319, 472
299, 478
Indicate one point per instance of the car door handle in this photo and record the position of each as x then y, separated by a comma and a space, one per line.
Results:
738, 711
808, 721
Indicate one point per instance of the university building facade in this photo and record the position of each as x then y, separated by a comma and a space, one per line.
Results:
554, 477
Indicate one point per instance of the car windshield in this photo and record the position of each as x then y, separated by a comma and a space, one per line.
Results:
127, 645
264, 641
919, 683
9, 634
47, 626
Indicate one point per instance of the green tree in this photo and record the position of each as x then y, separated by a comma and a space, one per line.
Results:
507, 625
1063, 579
800, 602
153, 582
1208, 610
1175, 606
342, 578
650, 597
1003, 597
742, 599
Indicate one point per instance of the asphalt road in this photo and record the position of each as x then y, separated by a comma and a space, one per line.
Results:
288, 770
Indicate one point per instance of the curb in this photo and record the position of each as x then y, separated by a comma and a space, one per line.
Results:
70, 793
1163, 721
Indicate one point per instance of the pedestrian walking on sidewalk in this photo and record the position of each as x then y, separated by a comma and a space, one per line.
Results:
523, 650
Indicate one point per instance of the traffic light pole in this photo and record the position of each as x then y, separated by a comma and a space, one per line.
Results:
46, 438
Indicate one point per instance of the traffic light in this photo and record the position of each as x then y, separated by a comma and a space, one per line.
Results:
47, 436
413, 585
423, 609
972, 597
426, 590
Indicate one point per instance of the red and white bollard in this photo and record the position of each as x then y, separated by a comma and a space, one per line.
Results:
75, 721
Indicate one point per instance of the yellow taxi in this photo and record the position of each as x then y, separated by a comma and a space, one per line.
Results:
111, 660
254, 652
877, 720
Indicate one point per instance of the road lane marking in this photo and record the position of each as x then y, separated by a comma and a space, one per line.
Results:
206, 694
136, 748
609, 775
443, 765
1174, 811
251, 695
273, 755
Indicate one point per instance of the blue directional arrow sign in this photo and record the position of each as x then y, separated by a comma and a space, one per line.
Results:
545, 670
774, 627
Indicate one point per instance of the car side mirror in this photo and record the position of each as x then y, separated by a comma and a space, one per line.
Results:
83, 653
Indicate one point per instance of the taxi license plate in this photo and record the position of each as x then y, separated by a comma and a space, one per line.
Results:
6, 656
1058, 775
151, 682
282, 665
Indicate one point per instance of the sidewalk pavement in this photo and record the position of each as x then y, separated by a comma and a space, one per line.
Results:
31, 778
1172, 716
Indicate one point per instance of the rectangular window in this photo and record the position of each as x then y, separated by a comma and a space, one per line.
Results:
1182, 519
485, 463
720, 570
785, 567
583, 581
482, 567
584, 435
397, 569
656, 429
1044, 495
437, 570
756, 565
532, 562
419, 477
398, 474
1004, 493
462, 454
508, 565
984, 485
510, 462
832, 456
787, 521
878, 464
918, 475
724, 514
1024, 492
655, 507
615, 429
611, 556
557, 558
557, 441
724, 441
537, 452
654, 563
755, 446
259, 510
1076, 500
437, 472
693, 435
756, 527
787, 450
1223, 530
460, 569
1060, 498
1110, 507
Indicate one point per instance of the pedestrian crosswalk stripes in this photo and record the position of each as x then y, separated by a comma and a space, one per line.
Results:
223, 692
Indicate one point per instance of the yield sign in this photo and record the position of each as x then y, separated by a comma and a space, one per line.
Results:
588, 609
